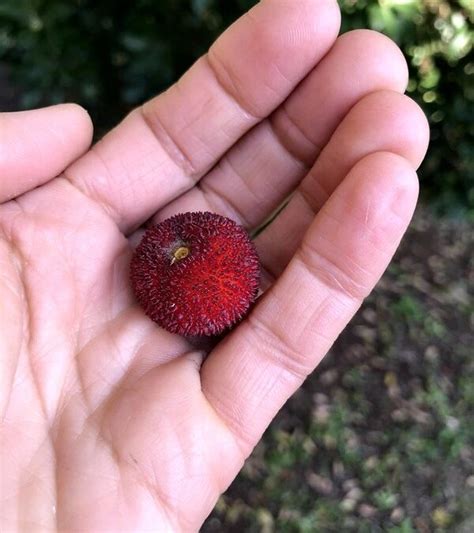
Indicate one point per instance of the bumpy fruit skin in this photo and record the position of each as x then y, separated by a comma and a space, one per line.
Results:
195, 274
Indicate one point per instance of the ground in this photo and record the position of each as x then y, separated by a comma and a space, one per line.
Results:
379, 439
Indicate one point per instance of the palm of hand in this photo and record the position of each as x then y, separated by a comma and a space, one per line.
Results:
129, 438
112, 423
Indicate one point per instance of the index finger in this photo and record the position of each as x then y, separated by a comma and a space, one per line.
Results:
161, 149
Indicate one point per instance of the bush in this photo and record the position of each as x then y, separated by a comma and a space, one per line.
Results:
110, 55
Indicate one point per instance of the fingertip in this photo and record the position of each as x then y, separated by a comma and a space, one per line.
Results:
305, 26
39, 144
424, 131
76, 120
382, 191
388, 114
382, 57
360, 227
272, 48
415, 127
83, 116
391, 168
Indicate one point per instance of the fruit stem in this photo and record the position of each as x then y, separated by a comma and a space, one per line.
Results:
180, 253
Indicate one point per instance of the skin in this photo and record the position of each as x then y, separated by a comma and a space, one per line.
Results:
109, 423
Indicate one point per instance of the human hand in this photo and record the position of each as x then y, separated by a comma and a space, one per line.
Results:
110, 423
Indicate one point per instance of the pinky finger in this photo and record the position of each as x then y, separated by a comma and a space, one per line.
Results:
36, 146
259, 366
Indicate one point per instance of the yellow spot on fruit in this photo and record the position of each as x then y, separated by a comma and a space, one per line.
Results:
179, 254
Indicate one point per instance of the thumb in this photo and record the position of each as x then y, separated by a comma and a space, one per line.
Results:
37, 145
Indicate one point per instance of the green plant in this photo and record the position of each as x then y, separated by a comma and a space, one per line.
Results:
437, 38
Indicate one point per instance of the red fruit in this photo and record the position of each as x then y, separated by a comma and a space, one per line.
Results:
195, 273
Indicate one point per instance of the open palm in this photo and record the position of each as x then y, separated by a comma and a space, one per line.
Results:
110, 423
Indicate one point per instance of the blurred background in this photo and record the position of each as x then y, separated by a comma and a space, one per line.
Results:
381, 437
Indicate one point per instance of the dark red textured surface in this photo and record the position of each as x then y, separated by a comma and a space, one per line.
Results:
208, 291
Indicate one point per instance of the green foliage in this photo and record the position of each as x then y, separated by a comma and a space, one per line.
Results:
109, 55
404, 527
436, 37
408, 308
